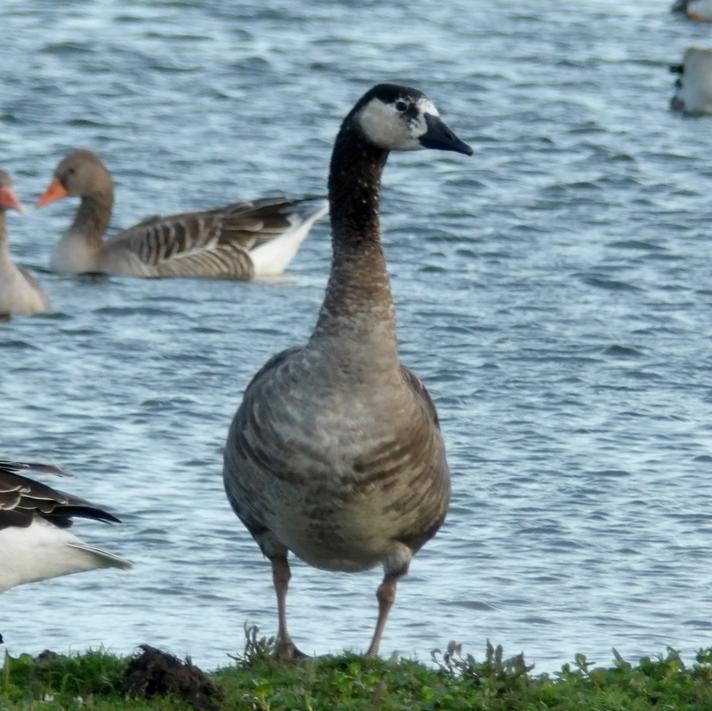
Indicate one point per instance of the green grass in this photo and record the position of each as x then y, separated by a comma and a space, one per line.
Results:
95, 680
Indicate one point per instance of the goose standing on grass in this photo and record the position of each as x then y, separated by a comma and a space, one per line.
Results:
240, 241
34, 541
20, 292
335, 453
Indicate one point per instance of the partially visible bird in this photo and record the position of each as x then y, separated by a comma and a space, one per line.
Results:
698, 10
35, 542
693, 86
239, 241
335, 453
20, 292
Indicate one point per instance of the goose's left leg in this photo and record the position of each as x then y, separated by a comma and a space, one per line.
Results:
386, 595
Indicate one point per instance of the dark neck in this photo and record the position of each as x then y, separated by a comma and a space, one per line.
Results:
93, 217
354, 190
358, 301
4, 250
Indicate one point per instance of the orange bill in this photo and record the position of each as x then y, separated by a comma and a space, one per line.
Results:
9, 200
55, 191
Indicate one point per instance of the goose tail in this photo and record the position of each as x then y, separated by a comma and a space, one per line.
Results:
273, 257
97, 558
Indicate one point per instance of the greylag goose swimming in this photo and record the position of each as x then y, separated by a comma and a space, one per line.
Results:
20, 292
693, 88
335, 453
239, 241
34, 541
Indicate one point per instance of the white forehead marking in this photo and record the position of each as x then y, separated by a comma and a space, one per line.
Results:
427, 106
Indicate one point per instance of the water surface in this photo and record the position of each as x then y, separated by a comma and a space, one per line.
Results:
554, 292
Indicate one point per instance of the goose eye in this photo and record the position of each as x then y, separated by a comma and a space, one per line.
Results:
401, 106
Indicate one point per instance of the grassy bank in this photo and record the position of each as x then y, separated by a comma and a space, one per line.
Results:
97, 680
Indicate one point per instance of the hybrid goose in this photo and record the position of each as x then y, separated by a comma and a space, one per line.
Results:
335, 453
693, 88
239, 241
34, 541
20, 292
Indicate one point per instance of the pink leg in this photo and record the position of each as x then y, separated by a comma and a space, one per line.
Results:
281, 575
386, 595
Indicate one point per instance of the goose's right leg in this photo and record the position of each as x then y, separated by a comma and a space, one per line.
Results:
286, 649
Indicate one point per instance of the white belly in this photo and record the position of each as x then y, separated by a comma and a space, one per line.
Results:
74, 255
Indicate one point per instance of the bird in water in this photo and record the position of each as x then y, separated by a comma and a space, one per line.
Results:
693, 86
336, 453
697, 10
20, 292
244, 240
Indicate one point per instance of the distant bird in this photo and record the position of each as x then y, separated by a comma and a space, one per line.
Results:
698, 10
34, 541
240, 241
335, 453
20, 292
693, 87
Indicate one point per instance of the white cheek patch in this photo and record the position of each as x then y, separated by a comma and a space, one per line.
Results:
385, 127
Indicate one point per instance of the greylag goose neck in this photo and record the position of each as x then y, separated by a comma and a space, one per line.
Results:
335, 453
20, 292
35, 542
239, 241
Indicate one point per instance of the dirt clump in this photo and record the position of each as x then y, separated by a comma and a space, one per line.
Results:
156, 673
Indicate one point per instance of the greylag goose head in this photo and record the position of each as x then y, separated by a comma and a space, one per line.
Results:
81, 173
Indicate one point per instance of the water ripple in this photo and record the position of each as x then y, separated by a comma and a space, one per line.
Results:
552, 292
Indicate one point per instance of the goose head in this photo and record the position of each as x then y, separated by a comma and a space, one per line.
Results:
8, 199
80, 173
399, 118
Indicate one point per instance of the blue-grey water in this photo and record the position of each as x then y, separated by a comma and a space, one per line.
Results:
554, 292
